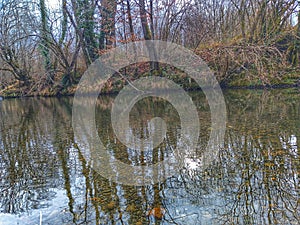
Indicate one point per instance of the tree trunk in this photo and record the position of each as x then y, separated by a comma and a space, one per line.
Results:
108, 11
84, 24
132, 36
45, 43
297, 58
243, 22
151, 20
147, 34
145, 26
263, 34
130, 21
88, 25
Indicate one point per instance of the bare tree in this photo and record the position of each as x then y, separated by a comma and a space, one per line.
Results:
17, 46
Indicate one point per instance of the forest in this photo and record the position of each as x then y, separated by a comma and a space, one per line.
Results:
45, 46
226, 153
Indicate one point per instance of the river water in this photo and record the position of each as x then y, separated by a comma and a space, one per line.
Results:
45, 177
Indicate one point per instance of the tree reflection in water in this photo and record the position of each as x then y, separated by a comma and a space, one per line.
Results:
255, 180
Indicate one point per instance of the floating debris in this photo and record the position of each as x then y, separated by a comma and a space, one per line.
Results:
157, 212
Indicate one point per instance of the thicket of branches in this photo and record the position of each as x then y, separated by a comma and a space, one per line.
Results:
45, 49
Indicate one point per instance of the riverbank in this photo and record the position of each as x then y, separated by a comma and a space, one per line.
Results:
117, 83
231, 70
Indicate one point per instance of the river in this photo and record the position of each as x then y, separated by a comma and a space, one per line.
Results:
45, 177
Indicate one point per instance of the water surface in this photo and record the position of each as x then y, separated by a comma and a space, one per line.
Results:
44, 175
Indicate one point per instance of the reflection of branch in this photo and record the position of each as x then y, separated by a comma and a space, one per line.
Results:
183, 216
85, 172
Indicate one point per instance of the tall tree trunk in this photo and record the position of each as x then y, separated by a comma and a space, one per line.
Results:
108, 11
64, 22
132, 36
264, 21
130, 21
298, 26
294, 46
64, 27
243, 22
297, 44
84, 24
147, 34
88, 26
45, 43
151, 20
145, 26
